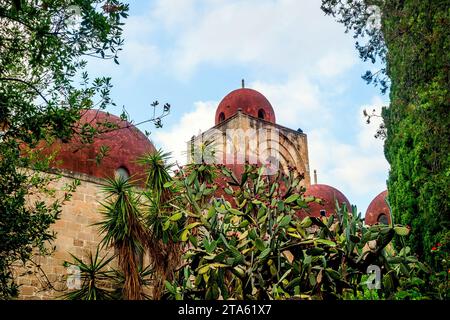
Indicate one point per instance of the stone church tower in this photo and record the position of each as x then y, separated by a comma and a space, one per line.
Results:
245, 130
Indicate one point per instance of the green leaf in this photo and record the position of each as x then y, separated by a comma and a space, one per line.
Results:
261, 212
177, 216
265, 253
192, 225
334, 274
273, 270
169, 287
203, 269
312, 279
401, 231
285, 275
184, 235
220, 209
166, 225
169, 184
285, 221
294, 235
218, 265
243, 235
244, 224
193, 240
211, 246
259, 244
307, 260
191, 177
326, 242
292, 198
211, 212
306, 222
236, 212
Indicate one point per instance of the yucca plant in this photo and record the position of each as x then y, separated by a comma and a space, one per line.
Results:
124, 229
157, 168
93, 275
165, 254
146, 278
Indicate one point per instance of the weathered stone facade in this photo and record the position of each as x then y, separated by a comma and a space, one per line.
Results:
74, 235
238, 136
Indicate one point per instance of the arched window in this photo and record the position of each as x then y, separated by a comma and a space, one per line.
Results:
221, 117
383, 219
122, 172
261, 114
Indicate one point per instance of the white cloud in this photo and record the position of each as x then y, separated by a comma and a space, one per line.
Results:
359, 169
264, 33
174, 139
296, 102
287, 35
139, 57
171, 14
332, 64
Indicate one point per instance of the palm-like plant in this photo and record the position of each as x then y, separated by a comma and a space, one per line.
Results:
92, 276
157, 168
164, 253
146, 275
124, 229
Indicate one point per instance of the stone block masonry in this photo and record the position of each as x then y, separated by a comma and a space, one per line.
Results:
75, 235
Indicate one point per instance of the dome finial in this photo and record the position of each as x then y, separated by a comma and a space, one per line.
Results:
243, 83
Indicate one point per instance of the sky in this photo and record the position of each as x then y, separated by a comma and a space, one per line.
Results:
191, 53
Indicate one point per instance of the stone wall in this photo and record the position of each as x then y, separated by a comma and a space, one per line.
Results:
74, 235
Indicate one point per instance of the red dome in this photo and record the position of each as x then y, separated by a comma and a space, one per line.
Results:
126, 143
378, 210
328, 195
250, 101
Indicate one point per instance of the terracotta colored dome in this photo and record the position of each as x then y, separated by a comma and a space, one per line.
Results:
250, 101
378, 210
126, 143
328, 195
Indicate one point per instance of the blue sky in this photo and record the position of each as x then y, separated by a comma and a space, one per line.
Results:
191, 53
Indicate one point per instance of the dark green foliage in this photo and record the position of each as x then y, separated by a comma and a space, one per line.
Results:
98, 280
418, 120
157, 171
254, 246
163, 251
41, 99
92, 277
123, 229
414, 45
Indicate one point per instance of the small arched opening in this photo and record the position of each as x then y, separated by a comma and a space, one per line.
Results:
221, 117
383, 219
261, 114
122, 172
